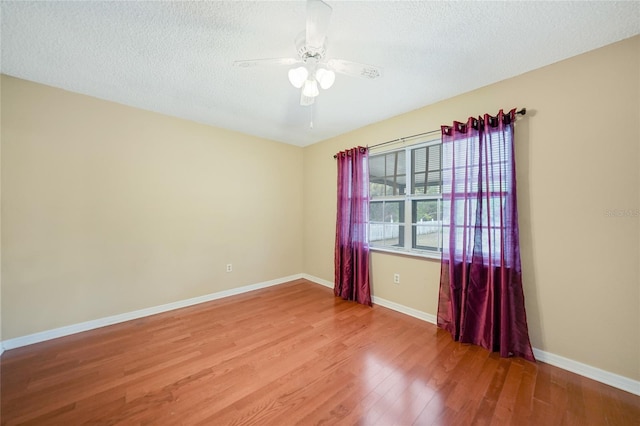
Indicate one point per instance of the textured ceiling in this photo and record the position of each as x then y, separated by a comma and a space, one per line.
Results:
177, 58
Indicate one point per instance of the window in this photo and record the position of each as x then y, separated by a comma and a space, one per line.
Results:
405, 212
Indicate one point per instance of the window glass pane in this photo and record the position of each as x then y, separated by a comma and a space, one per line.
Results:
394, 211
376, 234
391, 186
427, 224
402, 165
395, 185
376, 189
401, 173
418, 183
387, 174
395, 173
426, 176
376, 212
376, 176
426, 236
388, 234
434, 176
419, 165
386, 226
434, 157
419, 160
395, 163
425, 211
393, 235
376, 167
433, 183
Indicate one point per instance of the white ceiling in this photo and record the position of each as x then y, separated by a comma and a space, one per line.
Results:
176, 57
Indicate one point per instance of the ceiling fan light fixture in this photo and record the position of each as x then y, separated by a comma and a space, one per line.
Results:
298, 76
312, 71
310, 89
325, 77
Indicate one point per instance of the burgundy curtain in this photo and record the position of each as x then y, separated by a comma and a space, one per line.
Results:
352, 245
481, 298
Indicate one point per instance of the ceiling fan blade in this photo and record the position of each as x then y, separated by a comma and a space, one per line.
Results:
306, 100
269, 61
355, 69
318, 17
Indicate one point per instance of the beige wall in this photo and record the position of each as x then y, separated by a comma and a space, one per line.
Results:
109, 209
578, 151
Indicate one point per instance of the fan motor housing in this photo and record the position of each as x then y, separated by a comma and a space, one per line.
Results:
305, 52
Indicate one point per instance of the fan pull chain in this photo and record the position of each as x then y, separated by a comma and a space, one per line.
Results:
311, 117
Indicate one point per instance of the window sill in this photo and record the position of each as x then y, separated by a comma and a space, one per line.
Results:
411, 253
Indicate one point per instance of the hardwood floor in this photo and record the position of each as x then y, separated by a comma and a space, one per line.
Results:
291, 354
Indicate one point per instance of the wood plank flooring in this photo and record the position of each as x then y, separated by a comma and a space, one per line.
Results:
285, 355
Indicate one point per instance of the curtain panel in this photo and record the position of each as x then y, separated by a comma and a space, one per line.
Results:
481, 298
351, 243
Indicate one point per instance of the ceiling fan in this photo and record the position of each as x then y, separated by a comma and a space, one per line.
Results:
314, 69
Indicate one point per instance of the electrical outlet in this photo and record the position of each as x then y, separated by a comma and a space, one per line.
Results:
396, 278
229, 267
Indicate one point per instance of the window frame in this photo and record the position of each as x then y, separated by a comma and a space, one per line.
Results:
410, 244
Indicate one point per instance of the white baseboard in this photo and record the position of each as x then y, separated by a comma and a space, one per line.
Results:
608, 378
382, 302
602, 376
115, 319
318, 280
405, 309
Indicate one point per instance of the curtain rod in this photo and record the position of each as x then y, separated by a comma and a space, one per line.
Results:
523, 111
